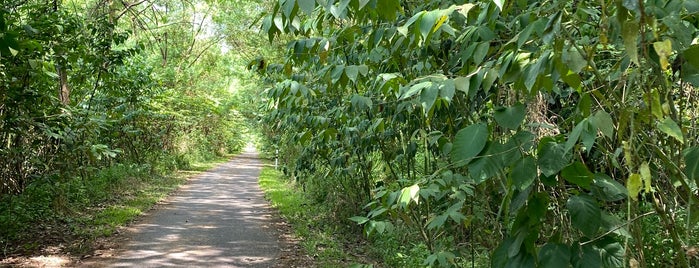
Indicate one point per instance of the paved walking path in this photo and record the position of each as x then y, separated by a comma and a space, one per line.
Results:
220, 219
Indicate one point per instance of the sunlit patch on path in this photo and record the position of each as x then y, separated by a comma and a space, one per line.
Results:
220, 219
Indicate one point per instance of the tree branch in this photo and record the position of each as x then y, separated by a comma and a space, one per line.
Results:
127, 7
204, 50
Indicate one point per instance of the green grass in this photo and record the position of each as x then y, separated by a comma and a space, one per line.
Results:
319, 237
281, 193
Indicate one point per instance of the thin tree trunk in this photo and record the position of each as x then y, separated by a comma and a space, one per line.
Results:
64, 90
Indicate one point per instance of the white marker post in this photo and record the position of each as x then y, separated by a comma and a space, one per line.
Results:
276, 160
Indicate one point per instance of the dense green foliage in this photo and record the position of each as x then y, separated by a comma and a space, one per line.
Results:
97, 93
537, 133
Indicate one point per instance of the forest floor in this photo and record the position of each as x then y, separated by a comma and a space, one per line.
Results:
218, 219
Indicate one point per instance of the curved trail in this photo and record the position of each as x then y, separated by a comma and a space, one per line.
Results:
219, 219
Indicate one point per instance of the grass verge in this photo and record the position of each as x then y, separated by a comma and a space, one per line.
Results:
321, 238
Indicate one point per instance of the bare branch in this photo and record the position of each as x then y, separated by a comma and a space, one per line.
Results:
127, 7
204, 50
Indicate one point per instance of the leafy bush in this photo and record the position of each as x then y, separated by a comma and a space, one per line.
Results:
557, 128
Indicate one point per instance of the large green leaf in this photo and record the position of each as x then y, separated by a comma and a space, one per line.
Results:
578, 174
691, 162
409, 194
523, 173
465, 8
444, 258
499, 257
428, 96
585, 215
437, 221
554, 255
462, 84
630, 35
468, 143
691, 6
523, 36
352, 72
575, 134
612, 223
691, 54
607, 189
499, 3
537, 206
359, 219
510, 117
602, 121
690, 74
446, 90
572, 79
653, 98
279, 23
489, 79
693, 210
523, 259
388, 9
340, 11
646, 176
361, 103
476, 82
574, 60
586, 256
378, 227
669, 127
663, 50
523, 139
388, 82
431, 21
634, 185
537, 69
480, 52
516, 247
489, 165
307, 5
415, 18
414, 89
337, 72
269, 27
611, 252
288, 8
552, 156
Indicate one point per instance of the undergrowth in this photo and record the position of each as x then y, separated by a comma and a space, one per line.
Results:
307, 218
